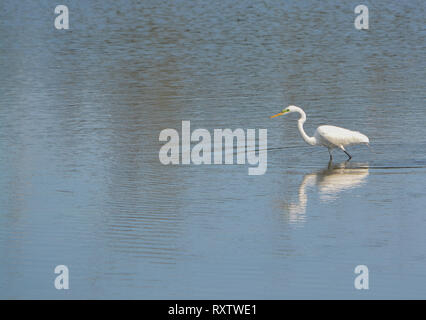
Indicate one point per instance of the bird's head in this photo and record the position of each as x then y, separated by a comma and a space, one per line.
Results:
289, 109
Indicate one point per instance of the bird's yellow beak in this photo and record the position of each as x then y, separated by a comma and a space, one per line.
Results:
276, 115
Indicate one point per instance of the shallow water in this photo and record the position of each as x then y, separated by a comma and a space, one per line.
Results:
81, 183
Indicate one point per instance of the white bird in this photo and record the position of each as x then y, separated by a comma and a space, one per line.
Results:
330, 137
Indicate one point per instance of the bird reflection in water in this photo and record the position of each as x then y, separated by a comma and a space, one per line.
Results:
330, 182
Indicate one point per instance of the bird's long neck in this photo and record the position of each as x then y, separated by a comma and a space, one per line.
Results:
309, 140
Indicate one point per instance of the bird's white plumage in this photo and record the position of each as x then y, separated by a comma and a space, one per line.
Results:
334, 137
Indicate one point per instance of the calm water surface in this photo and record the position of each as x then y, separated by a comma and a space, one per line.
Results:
81, 184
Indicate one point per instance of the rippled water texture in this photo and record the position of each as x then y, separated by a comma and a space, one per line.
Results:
81, 183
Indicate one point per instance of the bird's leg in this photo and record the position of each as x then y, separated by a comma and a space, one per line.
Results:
343, 149
347, 153
331, 157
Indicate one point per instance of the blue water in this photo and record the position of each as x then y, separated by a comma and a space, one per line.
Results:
81, 183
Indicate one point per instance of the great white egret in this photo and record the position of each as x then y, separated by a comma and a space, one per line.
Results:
330, 137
